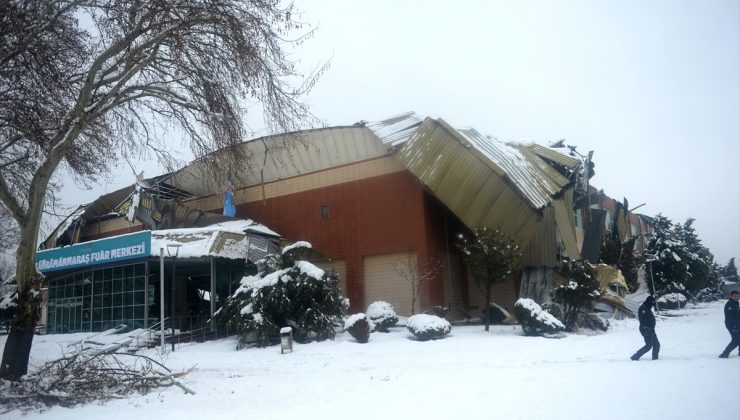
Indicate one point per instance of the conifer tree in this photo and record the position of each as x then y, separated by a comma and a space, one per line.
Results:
730, 272
697, 257
664, 252
286, 292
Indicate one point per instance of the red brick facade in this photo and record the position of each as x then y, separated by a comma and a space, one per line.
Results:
372, 216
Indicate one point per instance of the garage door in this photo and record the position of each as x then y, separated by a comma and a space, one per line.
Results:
383, 282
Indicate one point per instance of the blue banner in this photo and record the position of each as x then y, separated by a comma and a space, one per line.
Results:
132, 246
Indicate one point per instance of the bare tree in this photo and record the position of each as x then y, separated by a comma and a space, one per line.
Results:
84, 83
415, 276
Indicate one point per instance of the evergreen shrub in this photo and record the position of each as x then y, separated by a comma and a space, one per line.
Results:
382, 315
359, 327
428, 327
285, 292
534, 320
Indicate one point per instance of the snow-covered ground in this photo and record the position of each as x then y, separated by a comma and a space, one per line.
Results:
470, 374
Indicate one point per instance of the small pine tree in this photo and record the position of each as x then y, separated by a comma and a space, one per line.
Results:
285, 292
580, 288
697, 257
730, 272
664, 253
491, 256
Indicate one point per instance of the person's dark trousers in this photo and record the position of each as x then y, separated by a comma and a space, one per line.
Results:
651, 342
735, 334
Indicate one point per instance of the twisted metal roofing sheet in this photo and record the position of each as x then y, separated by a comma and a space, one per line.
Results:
396, 130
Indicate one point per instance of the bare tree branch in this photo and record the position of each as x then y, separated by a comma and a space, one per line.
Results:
82, 97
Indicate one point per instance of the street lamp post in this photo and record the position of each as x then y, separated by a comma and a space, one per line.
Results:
161, 299
176, 247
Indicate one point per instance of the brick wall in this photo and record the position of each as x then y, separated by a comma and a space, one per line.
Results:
371, 216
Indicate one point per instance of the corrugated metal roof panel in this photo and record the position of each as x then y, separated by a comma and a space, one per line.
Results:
533, 179
566, 224
270, 160
552, 181
555, 156
470, 186
396, 130
542, 249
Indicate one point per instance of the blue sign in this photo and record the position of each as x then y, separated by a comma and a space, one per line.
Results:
89, 254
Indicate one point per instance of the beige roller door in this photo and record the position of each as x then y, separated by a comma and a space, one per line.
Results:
340, 266
382, 281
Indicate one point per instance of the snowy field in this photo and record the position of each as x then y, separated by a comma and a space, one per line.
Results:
469, 375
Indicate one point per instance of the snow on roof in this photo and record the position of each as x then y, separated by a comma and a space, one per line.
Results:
233, 226
225, 239
528, 177
396, 130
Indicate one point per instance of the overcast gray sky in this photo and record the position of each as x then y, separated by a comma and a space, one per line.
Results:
652, 87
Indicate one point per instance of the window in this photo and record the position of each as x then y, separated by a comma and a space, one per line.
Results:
98, 299
609, 221
324, 212
578, 218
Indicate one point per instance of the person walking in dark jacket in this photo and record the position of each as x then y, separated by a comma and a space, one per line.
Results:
732, 322
647, 329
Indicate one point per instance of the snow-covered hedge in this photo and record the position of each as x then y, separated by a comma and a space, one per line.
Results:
672, 301
382, 314
428, 327
534, 320
285, 292
592, 321
359, 327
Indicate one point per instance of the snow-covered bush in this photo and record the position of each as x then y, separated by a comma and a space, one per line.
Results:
534, 320
672, 301
382, 315
359, 327
428, 327
592, 321
708, 294
553, 308
285, 292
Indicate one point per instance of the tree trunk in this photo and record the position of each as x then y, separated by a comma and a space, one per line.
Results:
487, 312
18, 345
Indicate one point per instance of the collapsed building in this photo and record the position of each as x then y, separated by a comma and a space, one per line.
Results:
382, 202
